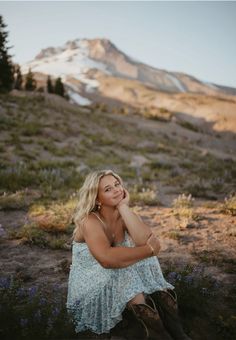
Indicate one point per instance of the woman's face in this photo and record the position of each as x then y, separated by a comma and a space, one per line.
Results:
110, 191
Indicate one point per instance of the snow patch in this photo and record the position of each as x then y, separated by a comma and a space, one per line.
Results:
211, 85
176, 82
69, 62
78, 99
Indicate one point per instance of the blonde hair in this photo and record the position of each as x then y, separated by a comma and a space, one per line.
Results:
87, 198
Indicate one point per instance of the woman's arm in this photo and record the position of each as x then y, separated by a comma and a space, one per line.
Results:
138, 230
113, 257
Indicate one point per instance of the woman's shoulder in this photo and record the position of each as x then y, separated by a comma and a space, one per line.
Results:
90, 219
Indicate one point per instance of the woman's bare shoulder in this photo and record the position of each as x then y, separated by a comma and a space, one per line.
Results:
91, 219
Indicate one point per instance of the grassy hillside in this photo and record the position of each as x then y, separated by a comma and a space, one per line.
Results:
182, 181
48, 144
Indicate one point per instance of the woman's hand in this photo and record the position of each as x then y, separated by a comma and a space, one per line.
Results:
125, 199
154, 243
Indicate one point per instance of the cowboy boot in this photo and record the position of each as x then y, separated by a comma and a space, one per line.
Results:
130, 327
166, 302
151, 321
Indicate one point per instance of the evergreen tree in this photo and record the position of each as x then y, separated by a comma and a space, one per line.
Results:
6, 66
30, 82
50, 88
59, 87
18, 78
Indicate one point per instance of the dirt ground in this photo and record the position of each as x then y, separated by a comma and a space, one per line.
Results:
211, 241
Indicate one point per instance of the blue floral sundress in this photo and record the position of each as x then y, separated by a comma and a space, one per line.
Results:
97, 296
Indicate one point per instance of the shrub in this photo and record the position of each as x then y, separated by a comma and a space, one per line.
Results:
183, 208
142, 195
37, 312
18, 200
229, 205
54, 218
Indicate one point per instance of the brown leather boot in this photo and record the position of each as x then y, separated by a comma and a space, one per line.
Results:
151, 321
166, 302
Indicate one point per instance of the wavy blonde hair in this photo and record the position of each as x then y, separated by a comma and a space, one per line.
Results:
87, 198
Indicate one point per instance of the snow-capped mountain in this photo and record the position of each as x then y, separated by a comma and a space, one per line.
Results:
87, 66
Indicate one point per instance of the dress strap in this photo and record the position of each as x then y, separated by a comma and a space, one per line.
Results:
99, 219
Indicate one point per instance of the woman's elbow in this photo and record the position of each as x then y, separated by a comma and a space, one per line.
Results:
109, 263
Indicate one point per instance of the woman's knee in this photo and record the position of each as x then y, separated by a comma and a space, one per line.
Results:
137, 299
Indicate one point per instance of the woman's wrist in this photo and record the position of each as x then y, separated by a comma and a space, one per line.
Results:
151, 249
121, 205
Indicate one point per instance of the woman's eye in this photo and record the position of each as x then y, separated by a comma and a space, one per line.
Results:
117, 184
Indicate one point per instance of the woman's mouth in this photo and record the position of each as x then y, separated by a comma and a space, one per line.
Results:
118, 195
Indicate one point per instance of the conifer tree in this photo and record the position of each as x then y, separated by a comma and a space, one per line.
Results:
18, 78
30, 82
50, 88
59, 87
6, 66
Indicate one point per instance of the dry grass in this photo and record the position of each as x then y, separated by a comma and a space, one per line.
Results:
183, 209
229, 205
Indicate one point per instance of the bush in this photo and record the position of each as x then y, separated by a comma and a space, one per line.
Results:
183, 209
142, 195
18, 200
201, 298
37, 312
229, 205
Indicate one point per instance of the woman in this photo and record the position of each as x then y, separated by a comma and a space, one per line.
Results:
114, 264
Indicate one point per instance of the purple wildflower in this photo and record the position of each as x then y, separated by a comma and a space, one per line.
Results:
42, 301
2, 231
37, 316
188, 279
172, 277
32, 292
23, 322
5, 282
179, 277
204, 291
20, 292
49, 325
55, 311
55, 286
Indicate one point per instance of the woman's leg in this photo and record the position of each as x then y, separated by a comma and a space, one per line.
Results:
139, 298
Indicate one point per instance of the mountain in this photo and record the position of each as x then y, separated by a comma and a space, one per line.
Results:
85, 65
96, 72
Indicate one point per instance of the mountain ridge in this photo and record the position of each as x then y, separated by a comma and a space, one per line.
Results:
103, 55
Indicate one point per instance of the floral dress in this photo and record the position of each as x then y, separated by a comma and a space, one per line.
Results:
97, 296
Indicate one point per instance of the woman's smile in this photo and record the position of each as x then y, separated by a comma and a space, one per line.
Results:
118, 195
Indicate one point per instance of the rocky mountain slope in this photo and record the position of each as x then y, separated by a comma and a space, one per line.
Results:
95, 72
85, 65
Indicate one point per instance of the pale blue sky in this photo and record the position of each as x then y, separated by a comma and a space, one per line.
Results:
197, 38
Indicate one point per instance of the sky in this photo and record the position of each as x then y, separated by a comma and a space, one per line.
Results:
193, 37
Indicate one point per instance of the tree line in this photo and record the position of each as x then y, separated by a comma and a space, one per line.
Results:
11, 76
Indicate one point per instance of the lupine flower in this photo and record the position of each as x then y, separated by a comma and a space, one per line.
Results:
37, 315
42, 301
20, 292
50, 324
2, 231
179, 277
23, 322
188, 279
172, 277
5, 282
55, 286
55, 311
32, 292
